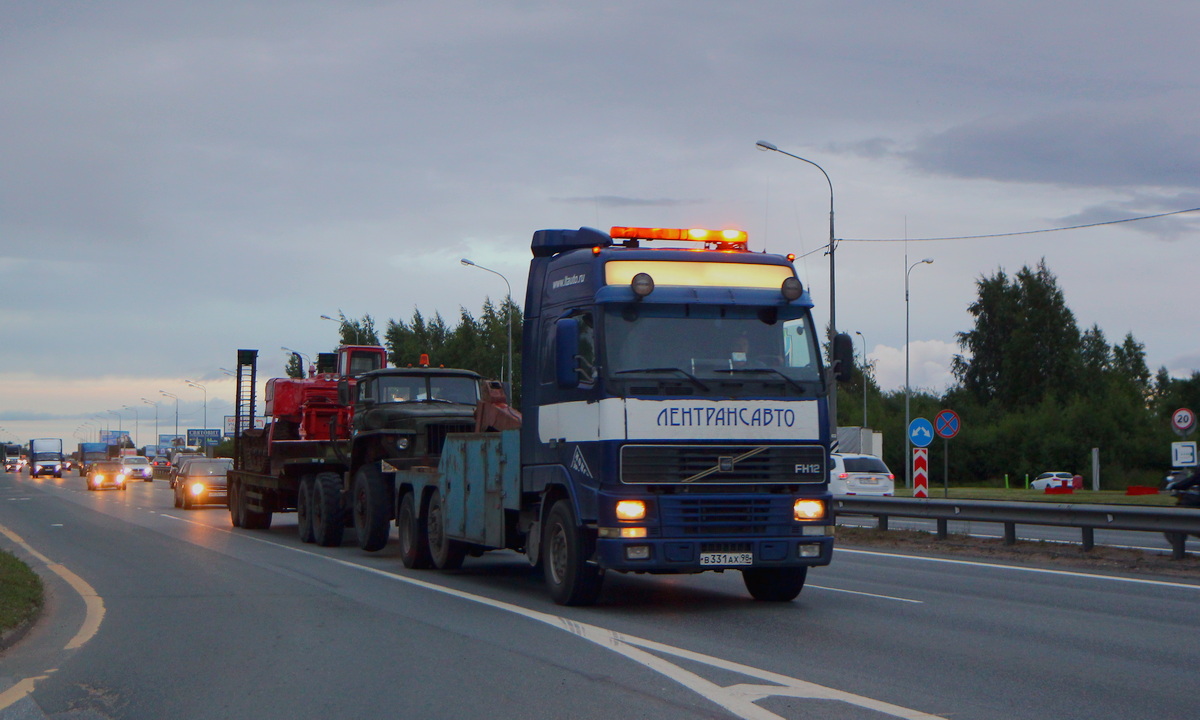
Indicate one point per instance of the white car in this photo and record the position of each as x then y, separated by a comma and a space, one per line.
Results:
138, 466
851, 474
1053, 480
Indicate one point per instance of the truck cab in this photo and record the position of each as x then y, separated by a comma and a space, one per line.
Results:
674, 403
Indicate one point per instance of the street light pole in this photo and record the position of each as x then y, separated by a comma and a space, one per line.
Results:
907, 387
136, 424
764, 145
175, 439
864, 376
205, 391
151, 402
120, 430
345, 323
303, 356
507, 311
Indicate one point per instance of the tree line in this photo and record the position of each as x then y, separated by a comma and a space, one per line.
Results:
1033, 390
1036, 393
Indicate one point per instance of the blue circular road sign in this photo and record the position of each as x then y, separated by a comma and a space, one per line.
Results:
920, 432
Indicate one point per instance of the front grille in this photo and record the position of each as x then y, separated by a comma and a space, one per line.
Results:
435, 435
722, 464
684, 516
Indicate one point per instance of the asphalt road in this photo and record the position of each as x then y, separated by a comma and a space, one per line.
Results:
198, 620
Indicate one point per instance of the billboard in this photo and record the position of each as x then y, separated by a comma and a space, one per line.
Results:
203, 437
259, 422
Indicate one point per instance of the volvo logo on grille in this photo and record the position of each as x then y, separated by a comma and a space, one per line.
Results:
725, 463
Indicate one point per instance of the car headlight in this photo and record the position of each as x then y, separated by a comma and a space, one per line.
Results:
198, 488
120, 478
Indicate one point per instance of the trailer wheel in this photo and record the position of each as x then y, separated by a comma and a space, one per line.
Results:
234, 500
565, 551
327, 518
414, 545
446, 554
371, 515
775, 584
304, 520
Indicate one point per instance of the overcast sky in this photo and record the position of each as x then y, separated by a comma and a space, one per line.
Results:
180, 180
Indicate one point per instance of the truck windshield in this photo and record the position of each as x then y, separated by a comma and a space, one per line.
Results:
712, 344
429, 388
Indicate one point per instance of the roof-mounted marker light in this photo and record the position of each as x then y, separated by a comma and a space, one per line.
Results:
791, 257
791, 289
642, 284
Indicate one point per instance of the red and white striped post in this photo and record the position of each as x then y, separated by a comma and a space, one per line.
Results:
920, 461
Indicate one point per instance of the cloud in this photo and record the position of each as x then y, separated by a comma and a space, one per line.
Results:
1087, 147
616, 201
929, 366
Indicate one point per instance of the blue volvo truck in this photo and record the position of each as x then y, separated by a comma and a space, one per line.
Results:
675, 421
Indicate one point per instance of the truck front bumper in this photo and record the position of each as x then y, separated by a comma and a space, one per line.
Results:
667, 555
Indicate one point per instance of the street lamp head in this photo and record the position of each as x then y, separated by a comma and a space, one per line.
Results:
764, 145
326, 317
928, 261
465, 261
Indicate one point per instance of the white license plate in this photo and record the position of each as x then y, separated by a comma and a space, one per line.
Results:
868, 481
726, 559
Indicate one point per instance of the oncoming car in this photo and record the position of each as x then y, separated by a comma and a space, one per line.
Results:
138, 468
202, 481
1053, 480
106, 473
851, 474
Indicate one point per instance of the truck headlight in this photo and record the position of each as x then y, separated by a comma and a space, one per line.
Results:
808, 510
631, 510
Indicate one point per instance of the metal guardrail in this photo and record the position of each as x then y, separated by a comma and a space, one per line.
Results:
1176, 523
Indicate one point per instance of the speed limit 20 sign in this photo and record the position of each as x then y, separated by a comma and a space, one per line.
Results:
1183, 420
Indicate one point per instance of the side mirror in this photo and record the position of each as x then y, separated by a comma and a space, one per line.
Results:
566, 347
843, 357
343, 389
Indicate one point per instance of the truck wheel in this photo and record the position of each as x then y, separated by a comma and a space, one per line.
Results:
234, 500
414, 545
327, 519
304, 520
250, 519
565, 551
775, 584
446, 554
371, 514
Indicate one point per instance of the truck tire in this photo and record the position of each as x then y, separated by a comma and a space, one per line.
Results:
327, 517
414, 545
234, 500
444, 553
304, 521
249, 519
372, 517
775, 584
565, 552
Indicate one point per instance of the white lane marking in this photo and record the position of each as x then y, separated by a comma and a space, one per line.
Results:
1021, 568
859, 592
93, 615
738, 699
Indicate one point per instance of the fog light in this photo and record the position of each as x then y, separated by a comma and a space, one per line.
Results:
808, 510
631, 510
637, 552
633, 532
402, 443
810, 551
816, 530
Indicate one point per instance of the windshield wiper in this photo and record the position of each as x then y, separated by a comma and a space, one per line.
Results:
684, 373
790, 381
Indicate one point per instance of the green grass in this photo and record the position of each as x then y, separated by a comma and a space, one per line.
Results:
1102, 497
20, 592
